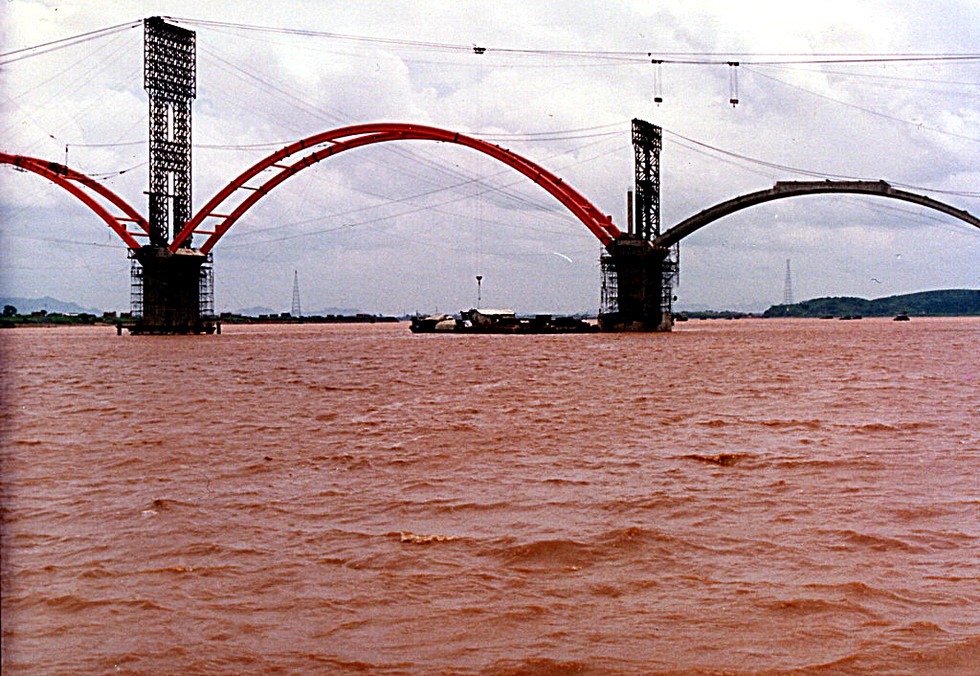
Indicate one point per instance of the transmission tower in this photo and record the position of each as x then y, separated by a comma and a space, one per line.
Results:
296, 310
788, 286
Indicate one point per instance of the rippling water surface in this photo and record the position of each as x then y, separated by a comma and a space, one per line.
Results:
751, 496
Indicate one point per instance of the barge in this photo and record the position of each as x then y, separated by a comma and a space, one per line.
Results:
487, 320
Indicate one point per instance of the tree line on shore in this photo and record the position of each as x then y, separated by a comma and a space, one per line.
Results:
944, 303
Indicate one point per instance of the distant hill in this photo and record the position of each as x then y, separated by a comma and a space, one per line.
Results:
259, 310
949, 302
336, 311
28, 305
255, 311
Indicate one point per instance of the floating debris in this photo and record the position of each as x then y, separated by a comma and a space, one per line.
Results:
722, 459
424, 539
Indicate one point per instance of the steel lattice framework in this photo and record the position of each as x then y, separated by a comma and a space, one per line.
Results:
169, 74
647, 142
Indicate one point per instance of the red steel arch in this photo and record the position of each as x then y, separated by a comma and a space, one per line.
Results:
355, 136
83, 187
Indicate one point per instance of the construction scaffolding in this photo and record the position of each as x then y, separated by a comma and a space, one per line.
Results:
170, 291
638, 278
135, 286
609, 298
636, 295
205, 286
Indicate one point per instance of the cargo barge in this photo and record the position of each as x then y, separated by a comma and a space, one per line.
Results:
487, 320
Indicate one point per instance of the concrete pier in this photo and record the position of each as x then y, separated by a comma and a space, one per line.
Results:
172, 291
635, 268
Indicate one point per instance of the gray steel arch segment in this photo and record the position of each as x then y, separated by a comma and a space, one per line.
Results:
785, 189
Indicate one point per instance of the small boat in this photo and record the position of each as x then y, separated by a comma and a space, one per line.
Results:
486, 320
434, 324
901, 317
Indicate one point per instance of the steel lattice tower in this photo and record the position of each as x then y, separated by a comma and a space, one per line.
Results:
169, 77
647, 142
788, 286
172, 291
296, 310
638, 277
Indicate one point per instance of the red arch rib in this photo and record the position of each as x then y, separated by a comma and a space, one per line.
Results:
355, 136
73, 182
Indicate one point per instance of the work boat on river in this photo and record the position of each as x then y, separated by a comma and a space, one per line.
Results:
488, 320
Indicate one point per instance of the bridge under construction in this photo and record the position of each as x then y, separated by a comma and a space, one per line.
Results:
172, 279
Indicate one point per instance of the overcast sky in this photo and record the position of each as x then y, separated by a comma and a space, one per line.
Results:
407, 226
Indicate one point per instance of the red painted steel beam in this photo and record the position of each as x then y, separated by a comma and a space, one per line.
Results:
347, 138
71, 180
258, 193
